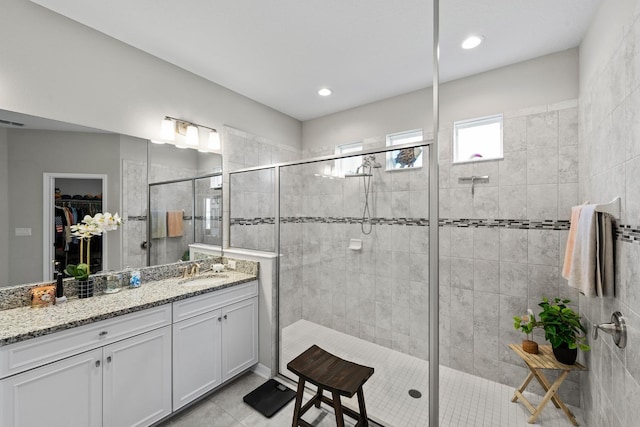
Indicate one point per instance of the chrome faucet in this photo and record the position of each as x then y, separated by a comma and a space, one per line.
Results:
190, 272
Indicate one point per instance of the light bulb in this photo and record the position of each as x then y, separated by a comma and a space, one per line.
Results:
168, 129
472, 41
214, 140
192, 135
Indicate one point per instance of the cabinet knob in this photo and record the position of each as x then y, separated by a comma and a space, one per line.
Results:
108, 359
219, 319
97, 363
103, 333
225, 317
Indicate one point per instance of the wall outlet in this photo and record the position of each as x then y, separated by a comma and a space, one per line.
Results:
23, 231
232, 265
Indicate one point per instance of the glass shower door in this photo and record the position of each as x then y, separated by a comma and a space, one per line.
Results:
170, 221
354, 273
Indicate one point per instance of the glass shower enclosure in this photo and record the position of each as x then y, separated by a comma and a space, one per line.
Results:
352, 237
182, 212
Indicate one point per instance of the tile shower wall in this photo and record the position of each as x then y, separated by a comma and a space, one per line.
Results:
497, 266
378, 293
610, 167
249, 211
134, 212
134, 206
493, 266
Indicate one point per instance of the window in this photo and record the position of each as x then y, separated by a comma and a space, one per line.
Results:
477, 139
407, 158
349, 164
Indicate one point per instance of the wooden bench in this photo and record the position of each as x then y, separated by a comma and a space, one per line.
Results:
337, 376
536, 363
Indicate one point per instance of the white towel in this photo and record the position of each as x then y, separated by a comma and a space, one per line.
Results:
591, 270
158, 224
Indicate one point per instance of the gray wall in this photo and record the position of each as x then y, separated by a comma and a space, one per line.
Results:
4, 207
59, 69
31, 154
610, 167
540, 81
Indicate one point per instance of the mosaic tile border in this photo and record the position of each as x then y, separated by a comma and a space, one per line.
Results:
419, 222
144, 218
627, 233
623, 233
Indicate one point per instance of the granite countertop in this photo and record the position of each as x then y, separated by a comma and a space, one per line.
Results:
23, 323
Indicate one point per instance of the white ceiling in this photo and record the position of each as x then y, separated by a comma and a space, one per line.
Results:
280, 52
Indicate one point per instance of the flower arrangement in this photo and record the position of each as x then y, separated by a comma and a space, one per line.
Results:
561, 325
527, 323
90, 226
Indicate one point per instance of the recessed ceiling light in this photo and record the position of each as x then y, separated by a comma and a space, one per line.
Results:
325, 91
471, 42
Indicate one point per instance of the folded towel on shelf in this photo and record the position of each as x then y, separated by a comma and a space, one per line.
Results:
573, 230
591, 264
158, 224
175, 224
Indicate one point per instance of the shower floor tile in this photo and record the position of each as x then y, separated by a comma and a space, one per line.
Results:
465, 399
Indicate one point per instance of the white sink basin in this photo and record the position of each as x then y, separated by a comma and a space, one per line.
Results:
204, 280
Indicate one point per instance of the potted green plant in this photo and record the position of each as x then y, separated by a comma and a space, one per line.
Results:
562, 328
527, 323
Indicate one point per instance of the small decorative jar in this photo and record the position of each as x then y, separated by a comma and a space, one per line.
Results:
530, 346
113, 283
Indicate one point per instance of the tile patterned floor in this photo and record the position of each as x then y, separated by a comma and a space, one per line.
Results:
465, 400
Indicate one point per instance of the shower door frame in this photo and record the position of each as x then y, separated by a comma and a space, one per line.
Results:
193, 207
433, 294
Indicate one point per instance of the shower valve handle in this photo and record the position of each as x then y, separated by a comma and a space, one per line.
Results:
617, 329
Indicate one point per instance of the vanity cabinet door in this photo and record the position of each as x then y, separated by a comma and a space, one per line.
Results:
239, 337
137, 379
196, 357
67, 393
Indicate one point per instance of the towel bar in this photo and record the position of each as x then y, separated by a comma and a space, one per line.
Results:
612, 208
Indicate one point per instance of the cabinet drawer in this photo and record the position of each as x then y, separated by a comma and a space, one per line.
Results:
194, 306
35, 352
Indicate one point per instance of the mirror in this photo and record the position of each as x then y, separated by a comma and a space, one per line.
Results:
31, 147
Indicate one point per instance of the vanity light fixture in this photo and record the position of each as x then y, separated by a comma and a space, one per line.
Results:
472, 41
191, 132
214, 140
192, 137
168, 129
325, 91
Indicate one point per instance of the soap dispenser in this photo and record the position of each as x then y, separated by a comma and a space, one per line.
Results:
60, 298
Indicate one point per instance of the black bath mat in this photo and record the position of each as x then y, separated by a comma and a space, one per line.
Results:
269, 398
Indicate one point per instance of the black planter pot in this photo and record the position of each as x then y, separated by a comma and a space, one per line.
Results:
85, 288
565, 355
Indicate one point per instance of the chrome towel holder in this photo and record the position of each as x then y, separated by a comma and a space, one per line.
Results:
473, 179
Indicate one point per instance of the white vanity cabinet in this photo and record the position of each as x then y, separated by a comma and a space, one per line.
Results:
115, 372
215, 337
137, 380
65, 393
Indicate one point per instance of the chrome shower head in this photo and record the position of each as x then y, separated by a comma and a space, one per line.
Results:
371, 161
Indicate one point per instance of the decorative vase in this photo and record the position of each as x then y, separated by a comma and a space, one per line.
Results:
530, 346
565, 355
85, 288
